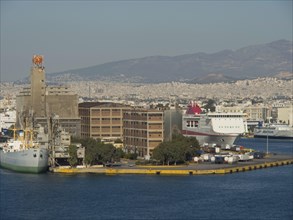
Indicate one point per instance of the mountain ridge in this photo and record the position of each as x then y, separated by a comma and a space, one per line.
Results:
270, 59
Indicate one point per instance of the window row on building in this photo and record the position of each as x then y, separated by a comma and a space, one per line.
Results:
141, 130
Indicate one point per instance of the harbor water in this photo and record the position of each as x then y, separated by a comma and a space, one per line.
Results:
258, 194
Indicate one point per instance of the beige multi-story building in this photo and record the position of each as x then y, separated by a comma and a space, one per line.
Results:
253, 112
45, 102
101, 120
143, 130
285, 115
257, 113
229, 109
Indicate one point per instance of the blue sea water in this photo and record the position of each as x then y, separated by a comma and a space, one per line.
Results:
282, 146
259, 194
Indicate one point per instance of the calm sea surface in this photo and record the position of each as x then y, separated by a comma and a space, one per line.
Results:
259, 194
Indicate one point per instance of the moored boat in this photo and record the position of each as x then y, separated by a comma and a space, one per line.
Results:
23, 155
274, 131
213, 127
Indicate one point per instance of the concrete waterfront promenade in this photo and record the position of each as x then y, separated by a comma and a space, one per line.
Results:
192, 169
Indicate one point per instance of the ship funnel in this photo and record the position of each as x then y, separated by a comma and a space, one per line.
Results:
193, 108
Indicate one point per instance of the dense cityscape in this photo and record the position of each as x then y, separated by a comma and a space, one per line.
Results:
266, 90
146, 110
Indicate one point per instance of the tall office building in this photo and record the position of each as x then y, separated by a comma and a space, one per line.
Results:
44, 102
101, 120
143, 130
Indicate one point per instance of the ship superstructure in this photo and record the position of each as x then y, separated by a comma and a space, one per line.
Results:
274, 131
213, 127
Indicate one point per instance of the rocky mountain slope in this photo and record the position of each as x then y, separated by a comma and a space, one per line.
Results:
271, 59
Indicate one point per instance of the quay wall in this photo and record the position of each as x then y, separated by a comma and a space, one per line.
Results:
173, 170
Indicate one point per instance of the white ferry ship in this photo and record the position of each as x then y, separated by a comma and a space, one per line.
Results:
213, 127
276, 131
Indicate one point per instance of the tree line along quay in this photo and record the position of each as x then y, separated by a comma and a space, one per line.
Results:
173, 157
180, 150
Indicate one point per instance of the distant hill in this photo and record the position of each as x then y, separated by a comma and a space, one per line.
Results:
271, 59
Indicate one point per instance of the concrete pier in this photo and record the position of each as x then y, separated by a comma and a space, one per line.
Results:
193, 169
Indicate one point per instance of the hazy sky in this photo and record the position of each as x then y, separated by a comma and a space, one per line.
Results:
75, 34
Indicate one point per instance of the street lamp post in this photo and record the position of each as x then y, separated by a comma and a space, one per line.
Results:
170, 125
267, 143
268, 127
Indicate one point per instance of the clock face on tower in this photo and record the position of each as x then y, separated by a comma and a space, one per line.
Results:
37, 59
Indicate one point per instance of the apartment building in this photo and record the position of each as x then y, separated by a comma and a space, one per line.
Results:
254, 112
143, 130
101, 120
257, 113
285, 115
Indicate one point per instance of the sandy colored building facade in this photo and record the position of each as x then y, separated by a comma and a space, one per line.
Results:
143, 130
43, 101
101, 120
